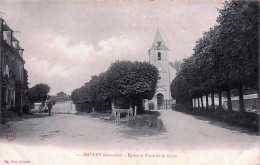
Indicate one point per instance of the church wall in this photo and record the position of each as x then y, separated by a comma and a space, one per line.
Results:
164, 81
166, 72
154, 55
161, 65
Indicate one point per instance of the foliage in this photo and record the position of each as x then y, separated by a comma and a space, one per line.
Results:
61, 93
148, 123
225, 58
19, 90
176, 65
136, 80
38, 93
25, 79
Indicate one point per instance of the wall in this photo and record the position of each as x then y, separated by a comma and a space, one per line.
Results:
251, 105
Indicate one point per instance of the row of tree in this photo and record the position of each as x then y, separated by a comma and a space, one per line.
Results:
225, 58
132, 80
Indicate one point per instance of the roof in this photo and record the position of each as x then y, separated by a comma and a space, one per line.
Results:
158, 39
14, 39
6, 28
20, 48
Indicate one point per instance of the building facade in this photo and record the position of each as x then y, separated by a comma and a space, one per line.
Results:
12, 69
159, 57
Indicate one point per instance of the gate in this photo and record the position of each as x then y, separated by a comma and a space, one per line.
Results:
167, 104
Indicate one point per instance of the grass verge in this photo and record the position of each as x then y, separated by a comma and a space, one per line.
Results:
247, 120
146, 124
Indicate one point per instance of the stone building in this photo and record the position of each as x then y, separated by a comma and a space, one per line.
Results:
12, 68
159, 57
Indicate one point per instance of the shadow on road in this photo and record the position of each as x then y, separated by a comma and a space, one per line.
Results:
13, 117
234, 129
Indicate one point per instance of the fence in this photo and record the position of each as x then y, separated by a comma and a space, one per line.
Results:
166, 104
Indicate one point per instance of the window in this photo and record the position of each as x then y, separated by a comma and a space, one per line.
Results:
159, 55
159, 43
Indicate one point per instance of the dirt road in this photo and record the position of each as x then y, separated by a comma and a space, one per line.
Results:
65, 138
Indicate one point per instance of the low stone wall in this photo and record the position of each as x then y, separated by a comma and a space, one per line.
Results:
251, 105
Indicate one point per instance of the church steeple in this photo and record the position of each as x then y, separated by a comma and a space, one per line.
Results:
158, 43
158, 56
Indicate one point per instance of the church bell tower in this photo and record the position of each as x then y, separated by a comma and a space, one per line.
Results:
158, 56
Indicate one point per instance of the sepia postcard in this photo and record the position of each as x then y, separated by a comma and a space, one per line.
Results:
145, 82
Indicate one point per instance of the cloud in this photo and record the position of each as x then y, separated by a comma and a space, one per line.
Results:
116, 48
43, 68
78, 62
67, 42
81, 51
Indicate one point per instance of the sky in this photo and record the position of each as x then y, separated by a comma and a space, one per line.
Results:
67, 42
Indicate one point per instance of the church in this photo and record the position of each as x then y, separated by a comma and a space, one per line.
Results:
159, 57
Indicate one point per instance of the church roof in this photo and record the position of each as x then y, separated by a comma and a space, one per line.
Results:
158, 43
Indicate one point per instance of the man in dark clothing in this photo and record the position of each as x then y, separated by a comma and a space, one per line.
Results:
50, 107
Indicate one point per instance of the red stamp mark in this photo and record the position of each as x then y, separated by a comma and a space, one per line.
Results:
10, 135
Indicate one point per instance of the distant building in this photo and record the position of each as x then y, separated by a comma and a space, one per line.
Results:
63, 97
159, 56
12, 68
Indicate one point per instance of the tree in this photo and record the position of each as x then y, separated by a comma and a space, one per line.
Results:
176, 65
239, 33
225, 58
61, 93
25, 79
38, 93
132, 80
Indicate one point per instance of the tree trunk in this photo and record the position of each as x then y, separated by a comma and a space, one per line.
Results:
212, 101
177, 101
229, 100
220, 99
191, 103
202, 106
241, 99
198, 102
93, 107
207, 101
82, 108
113, 106
194, 103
